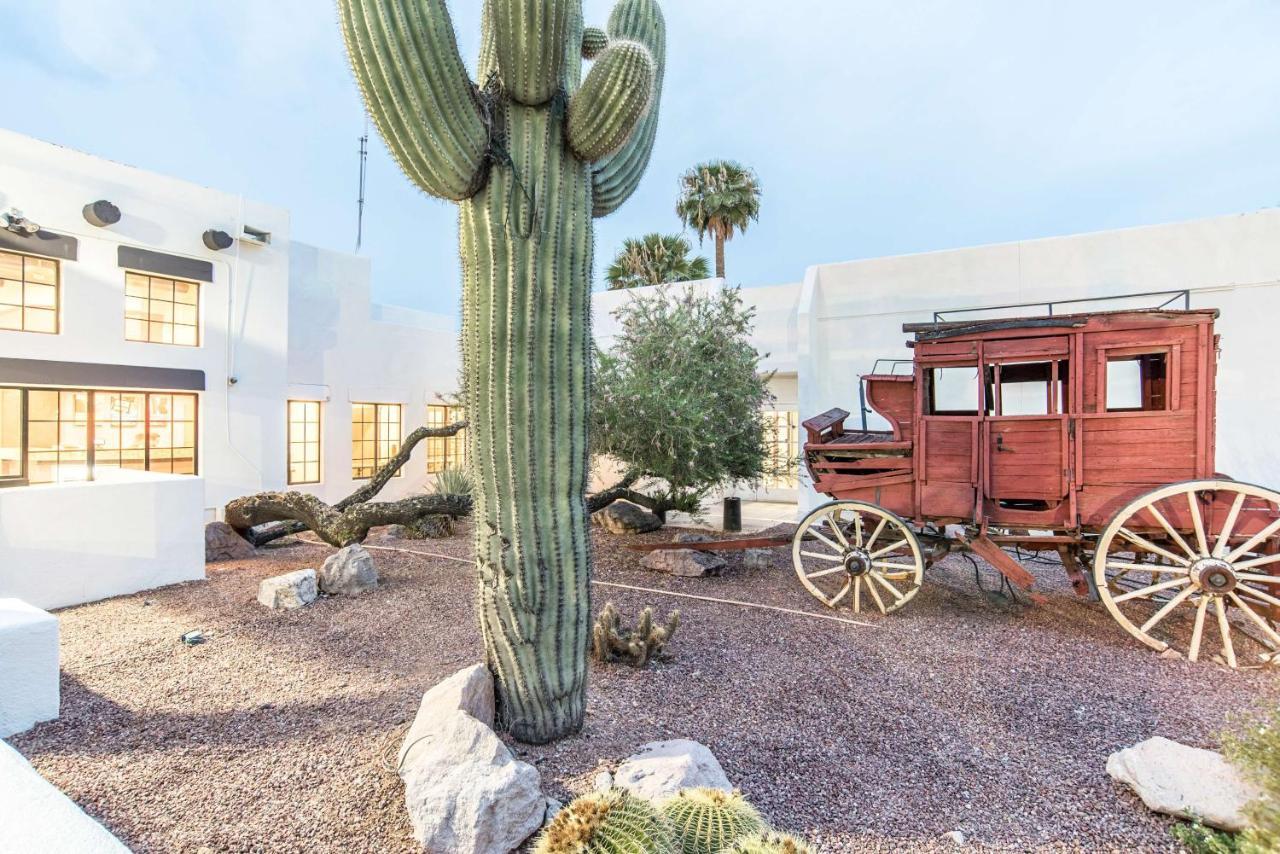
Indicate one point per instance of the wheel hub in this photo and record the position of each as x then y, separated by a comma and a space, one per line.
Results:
1213, 575
857, 562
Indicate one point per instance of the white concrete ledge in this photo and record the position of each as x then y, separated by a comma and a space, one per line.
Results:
35, 816
28, 668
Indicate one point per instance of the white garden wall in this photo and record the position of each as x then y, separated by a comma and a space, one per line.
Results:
36, 817
65, 544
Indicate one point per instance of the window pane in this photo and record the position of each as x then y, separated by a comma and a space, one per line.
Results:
42, 436
135, 308
186, 292
185, 335
136, 330
42, 405
41, 270
184, 314
42, 296
10, 292
162, 289
10, 317
136, 285
184, 407
10, 266
1024, 388
10, 429
954, 391
40, 320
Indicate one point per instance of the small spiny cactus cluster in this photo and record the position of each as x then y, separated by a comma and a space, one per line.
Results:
611, 641
694, 821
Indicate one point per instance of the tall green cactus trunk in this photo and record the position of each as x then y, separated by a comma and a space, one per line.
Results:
530, 158
526, 339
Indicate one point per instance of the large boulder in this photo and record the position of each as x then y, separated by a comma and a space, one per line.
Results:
661, 768
348, 572
221, 542
1188, 782
625, 517
464, 790
686, 562
290, 591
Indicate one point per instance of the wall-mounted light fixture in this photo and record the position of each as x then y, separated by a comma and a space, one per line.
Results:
101, 213
17, 223
217, 240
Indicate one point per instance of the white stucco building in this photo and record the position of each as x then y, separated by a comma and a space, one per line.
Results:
174, 333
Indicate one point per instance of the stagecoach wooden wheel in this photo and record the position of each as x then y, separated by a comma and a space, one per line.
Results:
857, 553
1188, 567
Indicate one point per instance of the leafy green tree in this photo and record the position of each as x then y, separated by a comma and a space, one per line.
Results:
679, 400
655, 259
720, 198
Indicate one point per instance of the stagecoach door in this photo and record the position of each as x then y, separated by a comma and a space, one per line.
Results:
1025, 428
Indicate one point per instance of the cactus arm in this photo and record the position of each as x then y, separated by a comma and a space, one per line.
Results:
594, 41
613, 100
406, 63
616, 177
530, 45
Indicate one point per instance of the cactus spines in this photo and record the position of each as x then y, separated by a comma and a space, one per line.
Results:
502, 150
612, 822
637, 646
770, 842
594, 41
706, 821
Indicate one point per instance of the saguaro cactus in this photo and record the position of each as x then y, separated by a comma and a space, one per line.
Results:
530, 154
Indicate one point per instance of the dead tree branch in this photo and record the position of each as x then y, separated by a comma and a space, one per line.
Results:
269, 516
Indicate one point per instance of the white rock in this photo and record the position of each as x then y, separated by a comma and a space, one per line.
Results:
469, 690
349, 572
1184, 781
603, 782
954, 837
289, 591
661, 768
466, 793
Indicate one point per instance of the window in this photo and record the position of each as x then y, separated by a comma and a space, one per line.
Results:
952, 391
304, 441
1137, 383
28, 293
445, 452
375, 437
1030, 388
783, 431
161, 311
51, 435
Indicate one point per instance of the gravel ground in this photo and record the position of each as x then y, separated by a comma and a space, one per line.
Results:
962, 712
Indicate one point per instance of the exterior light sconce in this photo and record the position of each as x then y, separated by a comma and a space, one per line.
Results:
217, 240
101, 213
17, 223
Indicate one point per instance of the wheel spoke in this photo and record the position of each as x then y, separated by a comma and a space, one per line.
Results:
823, 572
1253, 541
843, 591
897, 594
1145, 592
1220, 547
1146, 567
1257, 619
905, 575
830, 543
834, 524
1152, 547
1164, 523
871, 588
1257, 561
1198, 632
884, 551
816, 556
1261, 579
1225, 628
1258, 594
1165, 611
857, 595
1194, 506
857, 529
871, 540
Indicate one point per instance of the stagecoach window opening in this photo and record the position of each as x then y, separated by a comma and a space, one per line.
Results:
952, 391
1030, 388
1137, 383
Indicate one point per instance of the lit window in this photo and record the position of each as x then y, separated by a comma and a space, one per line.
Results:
28, 293
375, 437
171, 433
1137, 383
120, 429
304, 441
782, 435
161, 311
57, 436
445, 452
11, 445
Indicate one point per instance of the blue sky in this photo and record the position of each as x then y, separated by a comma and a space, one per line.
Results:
876, 127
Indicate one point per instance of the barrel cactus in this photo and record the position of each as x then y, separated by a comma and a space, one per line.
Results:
612, 822
770, 843
530, 154
706, 821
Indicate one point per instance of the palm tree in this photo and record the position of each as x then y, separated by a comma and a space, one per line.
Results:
721, 197
655, 259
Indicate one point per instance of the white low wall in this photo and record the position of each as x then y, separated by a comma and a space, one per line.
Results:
35, 816
64, 544
29, 687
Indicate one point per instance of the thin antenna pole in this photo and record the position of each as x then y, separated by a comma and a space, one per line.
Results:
364, 157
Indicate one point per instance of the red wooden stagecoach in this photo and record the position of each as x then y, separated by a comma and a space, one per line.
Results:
1088, 435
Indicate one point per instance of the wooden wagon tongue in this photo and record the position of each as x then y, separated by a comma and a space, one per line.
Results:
1017, 574
737, 545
